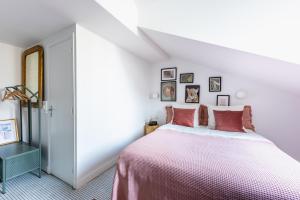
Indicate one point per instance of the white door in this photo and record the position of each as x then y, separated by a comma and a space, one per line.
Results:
60, 104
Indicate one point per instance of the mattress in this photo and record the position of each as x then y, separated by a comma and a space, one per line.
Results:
180, 163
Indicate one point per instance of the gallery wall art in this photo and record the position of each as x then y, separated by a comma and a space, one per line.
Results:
223, 100
169, 74
187, 78
192, 93
168, 91
215, 84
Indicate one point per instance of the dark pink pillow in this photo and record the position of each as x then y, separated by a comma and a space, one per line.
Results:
229, 121
184, 117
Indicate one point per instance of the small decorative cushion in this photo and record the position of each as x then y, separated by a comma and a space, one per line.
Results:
203, 115
169, 114
247, 118
184, 117
229, 121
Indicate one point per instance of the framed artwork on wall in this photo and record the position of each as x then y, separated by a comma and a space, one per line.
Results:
215, 84
168, 91
192, 93
223, 100
8, 131
187, 78
169, 74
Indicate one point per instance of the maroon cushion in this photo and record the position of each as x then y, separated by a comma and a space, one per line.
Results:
184, 117
229, 121
203, 115
169, 114
247, 118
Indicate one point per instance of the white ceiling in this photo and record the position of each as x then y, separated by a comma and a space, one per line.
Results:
24, 23
278, 73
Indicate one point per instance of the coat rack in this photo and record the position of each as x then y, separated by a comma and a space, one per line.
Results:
19, 158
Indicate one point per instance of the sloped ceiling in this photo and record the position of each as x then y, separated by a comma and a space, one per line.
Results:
196, 30
263, 27
24, 23
253, 38
274, 72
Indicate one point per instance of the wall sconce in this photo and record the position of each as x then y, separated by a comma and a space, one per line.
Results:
241, 94
154, 95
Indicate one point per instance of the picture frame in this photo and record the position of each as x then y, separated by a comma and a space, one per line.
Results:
192, 93
223, 100
215, 84
187, 78
169, 74
8, 131
168, 91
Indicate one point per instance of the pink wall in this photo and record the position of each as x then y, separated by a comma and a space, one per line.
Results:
276, 112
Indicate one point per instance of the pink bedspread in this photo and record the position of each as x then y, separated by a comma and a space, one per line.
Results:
168, 165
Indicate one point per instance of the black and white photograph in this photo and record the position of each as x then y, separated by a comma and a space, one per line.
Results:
169, 74
215, 84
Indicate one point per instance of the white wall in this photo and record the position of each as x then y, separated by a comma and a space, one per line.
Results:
112, 99
10, 75
276, 113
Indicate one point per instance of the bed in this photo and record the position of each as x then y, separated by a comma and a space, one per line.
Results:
179, 163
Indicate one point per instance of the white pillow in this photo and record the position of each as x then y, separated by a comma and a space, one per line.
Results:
196, 114
211, 116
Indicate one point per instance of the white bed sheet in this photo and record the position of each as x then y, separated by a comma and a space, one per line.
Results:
203, 130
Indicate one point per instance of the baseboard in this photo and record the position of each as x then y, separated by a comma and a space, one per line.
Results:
93, 174
48, 170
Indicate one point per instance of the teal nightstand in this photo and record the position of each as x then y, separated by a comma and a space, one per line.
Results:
17, 159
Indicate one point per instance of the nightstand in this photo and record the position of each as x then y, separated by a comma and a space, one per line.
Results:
149, 129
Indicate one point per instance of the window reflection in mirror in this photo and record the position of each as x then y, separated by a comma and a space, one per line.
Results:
32, 72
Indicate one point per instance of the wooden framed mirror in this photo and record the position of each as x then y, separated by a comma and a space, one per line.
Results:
33, 72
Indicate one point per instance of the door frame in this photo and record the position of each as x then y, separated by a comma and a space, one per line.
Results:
66, 34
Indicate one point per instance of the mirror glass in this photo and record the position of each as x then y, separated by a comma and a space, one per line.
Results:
32, 74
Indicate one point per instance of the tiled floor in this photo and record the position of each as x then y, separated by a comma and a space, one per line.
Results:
30, 187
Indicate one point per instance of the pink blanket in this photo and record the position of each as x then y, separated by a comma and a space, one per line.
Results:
168, 165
